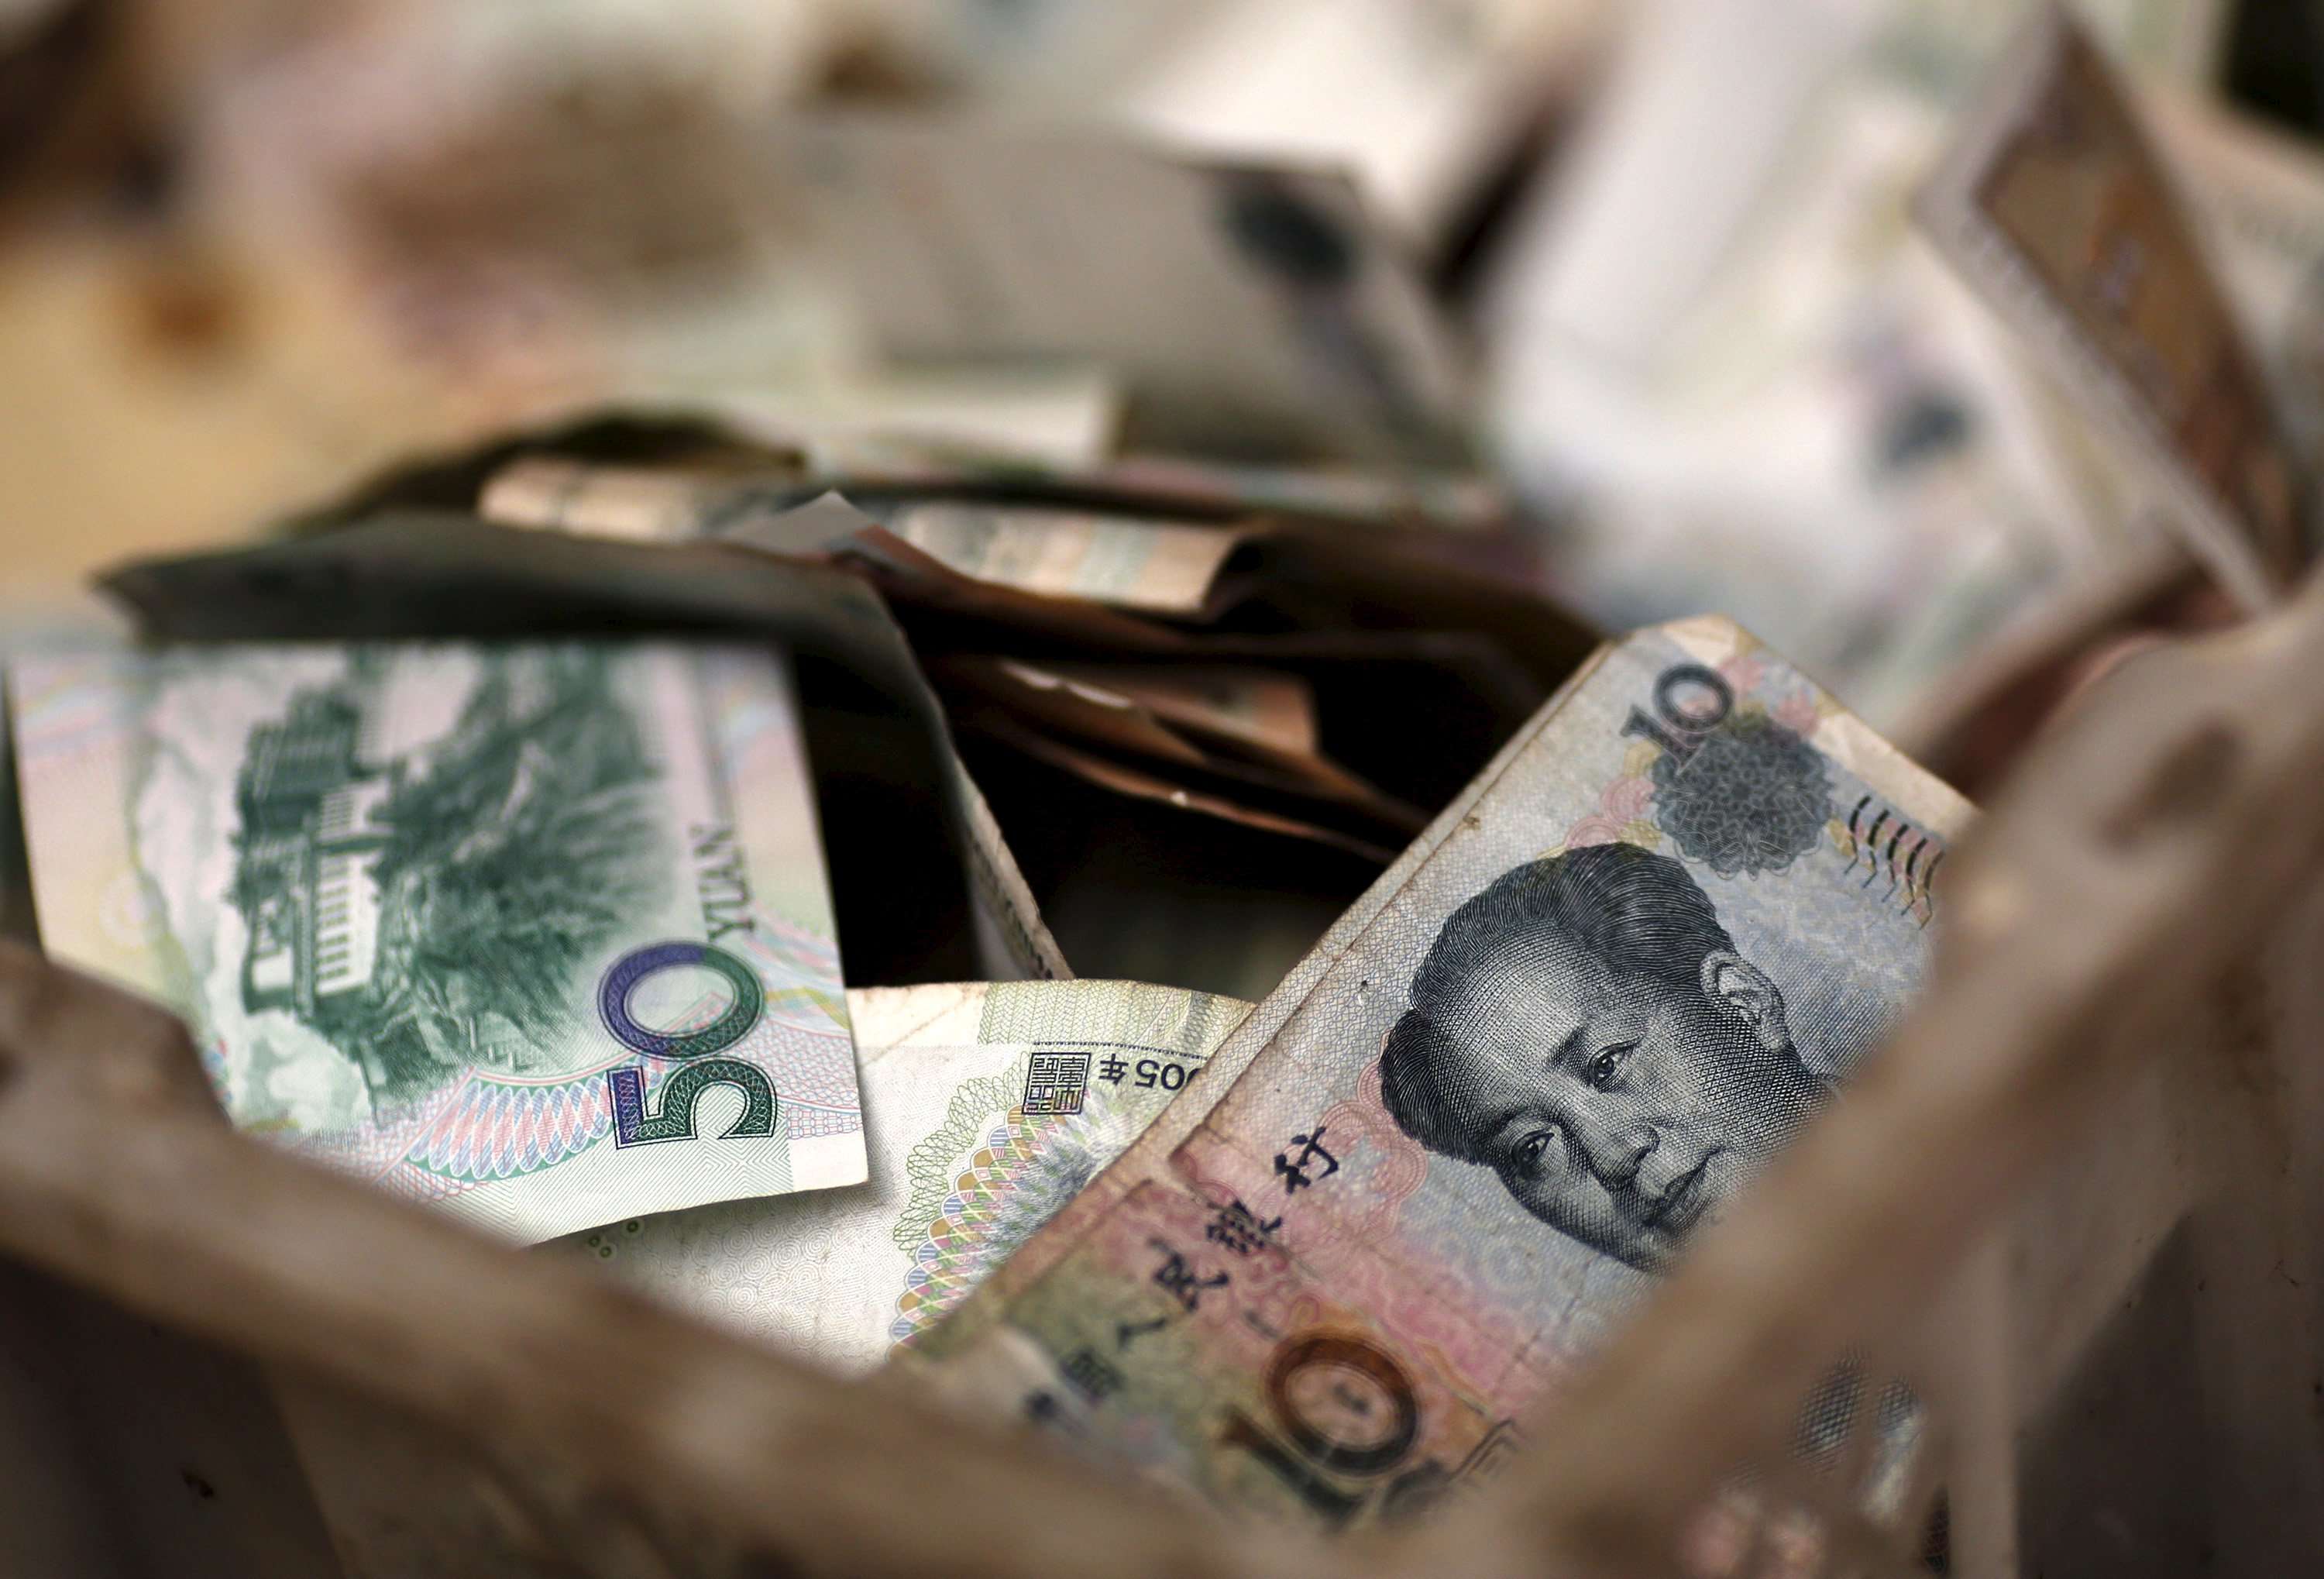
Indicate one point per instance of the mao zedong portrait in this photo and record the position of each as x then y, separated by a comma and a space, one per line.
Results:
1586, 1029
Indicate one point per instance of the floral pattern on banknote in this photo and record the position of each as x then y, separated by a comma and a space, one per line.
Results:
980, 1189
1726, 773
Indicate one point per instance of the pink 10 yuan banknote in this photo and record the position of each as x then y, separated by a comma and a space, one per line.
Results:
1554, 1043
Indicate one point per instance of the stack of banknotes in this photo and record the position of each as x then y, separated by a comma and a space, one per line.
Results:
1199, 957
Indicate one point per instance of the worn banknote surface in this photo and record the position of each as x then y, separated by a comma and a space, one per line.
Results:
1159, 567
1549, 1046
2259, 196
988, 1106
539, 934
2057, 209
1272, 315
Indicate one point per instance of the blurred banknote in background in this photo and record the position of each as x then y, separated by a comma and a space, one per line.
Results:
2053, 202
1273, 316
1419, 1181
1719, 343
1158, 567
1422, 101
2258, 196
539, 934
988, 1106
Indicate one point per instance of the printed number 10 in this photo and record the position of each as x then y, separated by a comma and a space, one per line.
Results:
1680, 728
1368, 1384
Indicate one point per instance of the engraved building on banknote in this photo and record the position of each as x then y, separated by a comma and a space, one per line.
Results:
311, 837
428, 904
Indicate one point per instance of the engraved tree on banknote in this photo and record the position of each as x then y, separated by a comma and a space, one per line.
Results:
430, 911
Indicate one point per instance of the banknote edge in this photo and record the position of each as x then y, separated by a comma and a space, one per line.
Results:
1944, 209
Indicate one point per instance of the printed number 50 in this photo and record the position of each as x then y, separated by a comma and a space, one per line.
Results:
633, 1126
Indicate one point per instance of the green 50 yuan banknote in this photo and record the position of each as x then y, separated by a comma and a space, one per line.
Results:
539, 935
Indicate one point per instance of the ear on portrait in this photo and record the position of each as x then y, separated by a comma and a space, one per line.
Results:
1745, 990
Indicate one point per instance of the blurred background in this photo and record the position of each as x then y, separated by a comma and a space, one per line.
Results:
1648, 271
1257, 407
